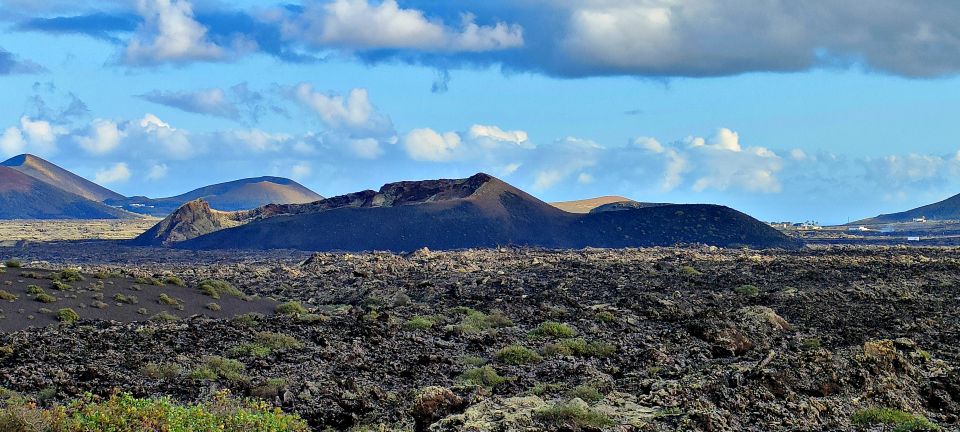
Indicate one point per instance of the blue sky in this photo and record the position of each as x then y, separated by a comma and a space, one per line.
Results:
795, 111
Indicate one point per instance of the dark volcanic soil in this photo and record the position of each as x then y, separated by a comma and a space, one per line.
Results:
658, 339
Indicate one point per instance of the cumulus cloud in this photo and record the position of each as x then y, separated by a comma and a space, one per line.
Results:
158, 171
31, 136
719, 162
104, 136
173, 143
170, 34
117, 173
352, 121
11, 64
301, 170
361, 25
429, 145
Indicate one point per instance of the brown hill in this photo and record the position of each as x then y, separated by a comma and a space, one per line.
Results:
53, 175
244, 194
946, 210
586, 205
25, 197
191, 220
480, 211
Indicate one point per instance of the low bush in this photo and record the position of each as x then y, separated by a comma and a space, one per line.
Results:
517, 355
60, 285
473, 321
217, 288
552, 329
213, 307
574, 415
123, 298
420, 323
13, 263
900, 420
290, 308
45, 298
34, 290
174, 280
165, 299
123, 412
585, 392
485, 376
161, 370
67, 316
148, 281
580, 347
7, 296
164, 316
216, 367
69, 275
747, 290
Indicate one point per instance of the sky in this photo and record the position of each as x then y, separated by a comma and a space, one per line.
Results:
787, 110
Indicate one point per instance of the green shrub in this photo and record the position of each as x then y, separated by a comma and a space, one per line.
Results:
585, 392
123, 298
7, 296
811, 343
59, 285
290, 308
420, 323
143, 311
213, 307
571, 414
67, 316
216, 367
689, 271
474, 321
34, 290
45, 298
269, 388
485, 376
517, 355
99, 304
901, 421
164, 316
278, 341
123, 412
552, 329
13, 263
69, 275
161, 370
250, 319
164, 298
606, 316
148, 281
747, 290
218, 288
580, 347
174, 280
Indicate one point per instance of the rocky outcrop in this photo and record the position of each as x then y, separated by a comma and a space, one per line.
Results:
191, 220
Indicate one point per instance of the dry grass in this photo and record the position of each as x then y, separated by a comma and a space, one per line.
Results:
52, 230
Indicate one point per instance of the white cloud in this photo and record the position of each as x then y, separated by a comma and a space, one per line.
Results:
479, 132
585, 178
104, 137
719, 163
12, 142
119, 172
365, 148
172, 143
170, 34
158, 172
301, 170
360, 25
258, 141
428, 145
546, 179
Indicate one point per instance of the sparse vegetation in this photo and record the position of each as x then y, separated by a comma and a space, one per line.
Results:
606, 316
124, 298
900, 420
250, 319
165, 370
265, 344
218, 288
147, 280
485, 376
216, 367
45, 298
165, 299
290, 308
473, 321
585, 392
580, 347
420, 323
7, 296
572, 414
213, 307
34, 290
164, 316
517, 355
12, 263
553, 329
67, 316
174, 280
747, 290
60, 285
122, 411
69, 275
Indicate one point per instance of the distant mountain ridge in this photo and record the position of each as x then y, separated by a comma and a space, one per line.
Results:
58, 177
243, 194
948, 209
587, 205
25, 197
480, 211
